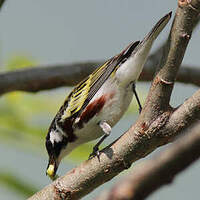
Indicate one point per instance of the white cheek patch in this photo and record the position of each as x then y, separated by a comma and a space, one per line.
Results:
55, 137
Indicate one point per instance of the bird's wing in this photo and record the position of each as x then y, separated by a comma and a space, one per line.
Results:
85, 90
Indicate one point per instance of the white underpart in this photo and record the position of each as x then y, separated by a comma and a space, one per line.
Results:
55, 136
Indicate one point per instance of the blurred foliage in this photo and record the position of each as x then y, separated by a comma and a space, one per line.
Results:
20, 61
15, 183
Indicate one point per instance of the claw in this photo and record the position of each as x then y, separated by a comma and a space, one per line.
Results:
94, 153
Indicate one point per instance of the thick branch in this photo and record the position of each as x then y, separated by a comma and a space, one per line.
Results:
150, 175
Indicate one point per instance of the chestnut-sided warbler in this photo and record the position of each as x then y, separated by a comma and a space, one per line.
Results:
97, 103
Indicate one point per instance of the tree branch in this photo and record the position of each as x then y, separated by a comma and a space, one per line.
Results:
44, 78
150, 175
151, 129
186, 74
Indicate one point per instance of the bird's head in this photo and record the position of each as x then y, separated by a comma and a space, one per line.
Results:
55, 144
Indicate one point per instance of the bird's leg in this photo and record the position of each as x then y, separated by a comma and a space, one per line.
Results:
106, 129
137, 98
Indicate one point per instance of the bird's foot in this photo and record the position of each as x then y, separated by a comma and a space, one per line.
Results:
94, 153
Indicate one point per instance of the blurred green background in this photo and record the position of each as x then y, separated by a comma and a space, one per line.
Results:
49, 32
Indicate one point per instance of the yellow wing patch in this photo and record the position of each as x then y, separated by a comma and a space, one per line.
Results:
77, 99
80, 93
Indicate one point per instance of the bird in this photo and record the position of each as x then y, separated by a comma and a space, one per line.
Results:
98, 102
